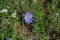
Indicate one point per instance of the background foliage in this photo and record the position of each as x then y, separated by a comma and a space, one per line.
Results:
45, 26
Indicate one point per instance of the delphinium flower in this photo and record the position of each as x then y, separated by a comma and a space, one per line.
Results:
28, 17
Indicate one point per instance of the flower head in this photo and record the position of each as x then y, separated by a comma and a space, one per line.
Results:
14, 14
28, 17
4, 11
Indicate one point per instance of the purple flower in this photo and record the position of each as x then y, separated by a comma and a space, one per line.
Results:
28, 17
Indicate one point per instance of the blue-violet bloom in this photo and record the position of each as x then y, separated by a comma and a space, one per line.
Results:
28, 17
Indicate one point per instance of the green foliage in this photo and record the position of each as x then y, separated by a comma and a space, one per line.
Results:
46, 18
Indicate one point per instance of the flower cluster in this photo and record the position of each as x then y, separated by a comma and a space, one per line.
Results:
28, 17
3, 11
14, 14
